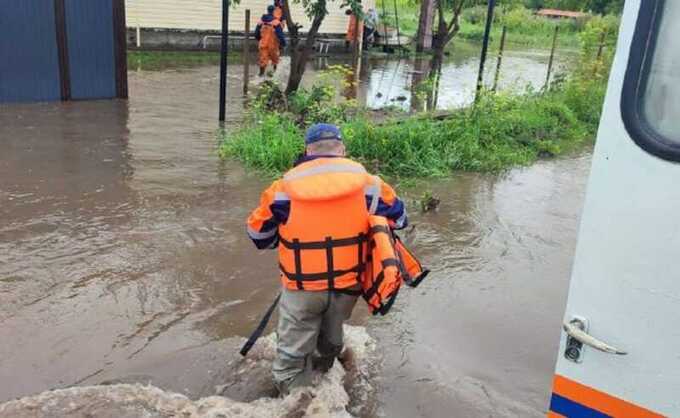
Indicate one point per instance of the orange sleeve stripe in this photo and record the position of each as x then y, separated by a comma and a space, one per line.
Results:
263, 212
599, 401
552, 414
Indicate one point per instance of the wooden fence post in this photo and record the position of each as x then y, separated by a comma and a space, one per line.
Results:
246, 55
552, 57
601, 48
500, 58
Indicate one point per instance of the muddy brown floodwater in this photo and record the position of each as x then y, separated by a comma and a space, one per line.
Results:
123, 257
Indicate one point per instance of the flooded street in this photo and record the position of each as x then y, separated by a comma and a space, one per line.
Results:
480, 337
123, 253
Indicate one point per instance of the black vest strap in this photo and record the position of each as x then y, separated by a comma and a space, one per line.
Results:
305, 277
327, 245
329, 263
321, 245
298, 265
380, 229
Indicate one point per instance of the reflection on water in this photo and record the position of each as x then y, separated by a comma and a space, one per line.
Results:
122, 245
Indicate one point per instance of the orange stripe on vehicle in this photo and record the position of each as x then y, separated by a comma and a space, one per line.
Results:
600, 401
552, 414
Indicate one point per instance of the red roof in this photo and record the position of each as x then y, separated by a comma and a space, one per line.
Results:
560, 13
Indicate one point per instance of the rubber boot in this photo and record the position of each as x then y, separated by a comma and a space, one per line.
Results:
262, 71
322, 364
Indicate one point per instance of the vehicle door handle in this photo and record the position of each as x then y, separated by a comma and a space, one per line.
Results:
574, 329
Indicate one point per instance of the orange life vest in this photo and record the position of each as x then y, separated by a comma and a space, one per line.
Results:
331, 241
323, 244
389, 265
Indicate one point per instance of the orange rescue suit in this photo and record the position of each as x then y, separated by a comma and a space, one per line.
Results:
323, 245
353, 29
269, 43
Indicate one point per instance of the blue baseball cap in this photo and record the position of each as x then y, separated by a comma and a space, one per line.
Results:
322, 132
270, 8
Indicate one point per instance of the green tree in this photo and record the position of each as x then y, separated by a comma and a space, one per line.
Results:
316, 11
446, 29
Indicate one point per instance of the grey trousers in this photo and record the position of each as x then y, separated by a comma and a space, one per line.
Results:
308, 321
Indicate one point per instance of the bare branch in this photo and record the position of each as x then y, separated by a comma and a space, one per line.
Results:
293, 27
453, 26
442, 19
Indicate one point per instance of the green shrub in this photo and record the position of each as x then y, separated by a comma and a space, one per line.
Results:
499, 131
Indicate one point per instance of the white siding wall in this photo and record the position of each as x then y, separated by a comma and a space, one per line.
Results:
206, 14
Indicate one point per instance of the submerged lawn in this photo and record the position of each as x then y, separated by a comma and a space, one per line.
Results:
498, 132
501, 131
158, 60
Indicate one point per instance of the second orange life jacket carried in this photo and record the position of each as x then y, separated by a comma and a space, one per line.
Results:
389, 265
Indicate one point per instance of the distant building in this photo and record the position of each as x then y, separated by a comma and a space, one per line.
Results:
561, 14
206, 15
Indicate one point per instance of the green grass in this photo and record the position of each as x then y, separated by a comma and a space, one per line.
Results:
158, 60
498, 132
524, 28
539, 39
408, 16
501, 131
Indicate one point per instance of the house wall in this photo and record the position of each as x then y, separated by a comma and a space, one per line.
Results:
206, 15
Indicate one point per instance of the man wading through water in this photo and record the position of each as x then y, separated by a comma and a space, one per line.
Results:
269, 34
317, 215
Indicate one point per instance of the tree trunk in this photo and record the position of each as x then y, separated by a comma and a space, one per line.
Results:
424, 36
437, 60
300, 51
298, 62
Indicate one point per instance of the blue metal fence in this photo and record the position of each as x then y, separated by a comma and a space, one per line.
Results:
29, 61
62, 49
89, 29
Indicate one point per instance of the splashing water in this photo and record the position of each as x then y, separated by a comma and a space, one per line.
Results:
347, 390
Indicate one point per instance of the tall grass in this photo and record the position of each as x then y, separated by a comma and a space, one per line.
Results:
159, 60
500, 131
524, 27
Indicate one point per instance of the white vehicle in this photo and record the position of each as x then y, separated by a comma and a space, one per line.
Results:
620, 354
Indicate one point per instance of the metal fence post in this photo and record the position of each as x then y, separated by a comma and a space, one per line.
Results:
485, 45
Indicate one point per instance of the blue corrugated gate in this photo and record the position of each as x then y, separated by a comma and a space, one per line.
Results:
29, 61
89, 30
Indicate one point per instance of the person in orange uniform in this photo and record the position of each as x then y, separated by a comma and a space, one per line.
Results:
355, 29
269, 33
318, 217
